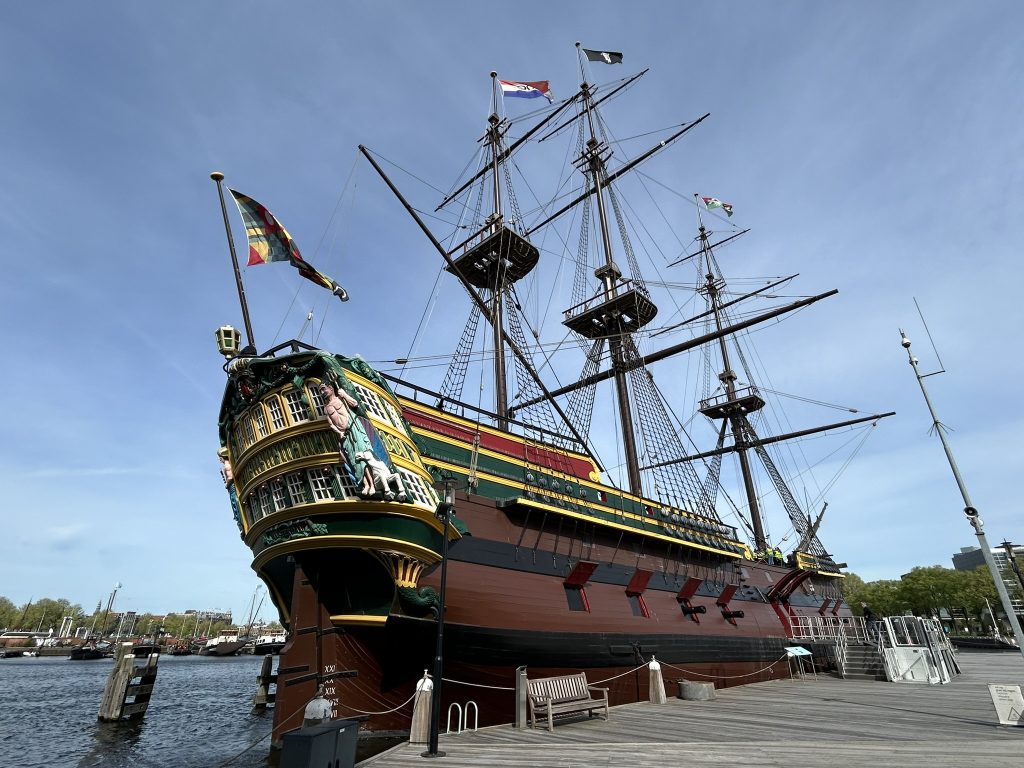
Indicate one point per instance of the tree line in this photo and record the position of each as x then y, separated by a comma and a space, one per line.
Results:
927, 591
47, 613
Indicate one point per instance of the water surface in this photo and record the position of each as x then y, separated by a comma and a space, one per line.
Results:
198, 717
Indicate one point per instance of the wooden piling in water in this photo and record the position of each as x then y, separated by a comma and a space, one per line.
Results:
123, 698
264, 697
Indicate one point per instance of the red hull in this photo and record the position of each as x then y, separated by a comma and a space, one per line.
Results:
507, 608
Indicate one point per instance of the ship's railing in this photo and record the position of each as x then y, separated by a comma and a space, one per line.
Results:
461, 408
850, 629
623, 286
723, 398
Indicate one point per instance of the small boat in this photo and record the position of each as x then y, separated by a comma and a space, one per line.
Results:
983, 644
224, 645
269, 644
11, 653
91, 651
181, 649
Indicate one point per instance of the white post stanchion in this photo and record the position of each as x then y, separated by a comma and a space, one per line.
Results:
419, 733
657, 683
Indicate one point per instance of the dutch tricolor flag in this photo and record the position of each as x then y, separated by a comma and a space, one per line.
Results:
530, 90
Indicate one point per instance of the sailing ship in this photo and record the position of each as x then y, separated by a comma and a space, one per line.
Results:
348, 483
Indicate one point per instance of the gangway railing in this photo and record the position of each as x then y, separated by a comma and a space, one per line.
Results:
842, 631
916, 650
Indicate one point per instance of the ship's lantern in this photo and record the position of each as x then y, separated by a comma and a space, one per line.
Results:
228, 341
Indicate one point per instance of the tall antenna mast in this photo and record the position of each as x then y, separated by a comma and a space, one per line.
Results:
969, 509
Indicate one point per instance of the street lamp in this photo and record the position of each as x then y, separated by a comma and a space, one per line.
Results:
442, 513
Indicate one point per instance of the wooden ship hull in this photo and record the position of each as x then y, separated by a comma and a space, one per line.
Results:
548, 568
333, 471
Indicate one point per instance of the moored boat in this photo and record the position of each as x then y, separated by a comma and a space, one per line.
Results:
269, 644
348, 484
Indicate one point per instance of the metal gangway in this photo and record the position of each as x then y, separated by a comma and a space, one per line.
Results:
915, 650
841, 631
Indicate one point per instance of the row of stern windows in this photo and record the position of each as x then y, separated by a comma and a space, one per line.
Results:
326, 483
286, 409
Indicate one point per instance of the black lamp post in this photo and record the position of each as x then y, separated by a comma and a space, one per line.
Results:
444, 509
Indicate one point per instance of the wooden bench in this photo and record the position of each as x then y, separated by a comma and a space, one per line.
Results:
566, 694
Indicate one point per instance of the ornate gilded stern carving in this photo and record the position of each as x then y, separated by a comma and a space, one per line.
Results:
406, 570
420, 603
292, 529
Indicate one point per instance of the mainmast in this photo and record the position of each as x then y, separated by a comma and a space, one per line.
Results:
497, 319
620, 308
736, 403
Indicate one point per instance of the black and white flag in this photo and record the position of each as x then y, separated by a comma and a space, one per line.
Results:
608, 57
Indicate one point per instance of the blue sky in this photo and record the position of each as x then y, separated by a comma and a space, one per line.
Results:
872, 147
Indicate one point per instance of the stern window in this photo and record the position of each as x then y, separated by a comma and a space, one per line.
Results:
321, 484
276, 415
296, 408
296, 488
261, 422
316, 399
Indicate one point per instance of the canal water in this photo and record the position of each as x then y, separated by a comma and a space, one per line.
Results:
198, 717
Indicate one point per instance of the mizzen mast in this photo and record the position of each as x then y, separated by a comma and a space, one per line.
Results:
734, 406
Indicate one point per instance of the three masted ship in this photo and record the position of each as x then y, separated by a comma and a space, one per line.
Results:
336, 472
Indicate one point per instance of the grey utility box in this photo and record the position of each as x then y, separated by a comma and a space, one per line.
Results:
330, 745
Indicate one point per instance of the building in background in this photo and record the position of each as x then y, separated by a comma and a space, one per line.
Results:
970, 558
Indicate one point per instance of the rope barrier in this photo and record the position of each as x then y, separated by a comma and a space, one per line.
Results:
478, 685
385, 712
627, 672
723, 677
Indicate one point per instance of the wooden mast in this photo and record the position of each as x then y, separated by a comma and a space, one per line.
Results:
609, 274
497, 309
734, 415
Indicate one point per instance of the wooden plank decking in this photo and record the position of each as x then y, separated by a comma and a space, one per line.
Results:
790, 724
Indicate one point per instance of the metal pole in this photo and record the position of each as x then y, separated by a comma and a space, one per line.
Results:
1012, 560
969, 509
443, 510
218, 177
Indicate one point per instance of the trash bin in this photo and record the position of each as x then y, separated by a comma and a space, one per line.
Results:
330, 744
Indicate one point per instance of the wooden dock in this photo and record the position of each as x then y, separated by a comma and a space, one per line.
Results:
815, 723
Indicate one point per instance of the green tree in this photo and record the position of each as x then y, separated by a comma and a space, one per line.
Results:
8, 613
47, 613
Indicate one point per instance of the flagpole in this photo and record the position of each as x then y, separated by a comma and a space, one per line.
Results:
250, 343
579, 60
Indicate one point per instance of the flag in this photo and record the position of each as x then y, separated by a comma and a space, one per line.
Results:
714, 202
531, 90
269, 241
608, 57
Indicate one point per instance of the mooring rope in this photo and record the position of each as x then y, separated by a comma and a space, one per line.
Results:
723, 677
261, 738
